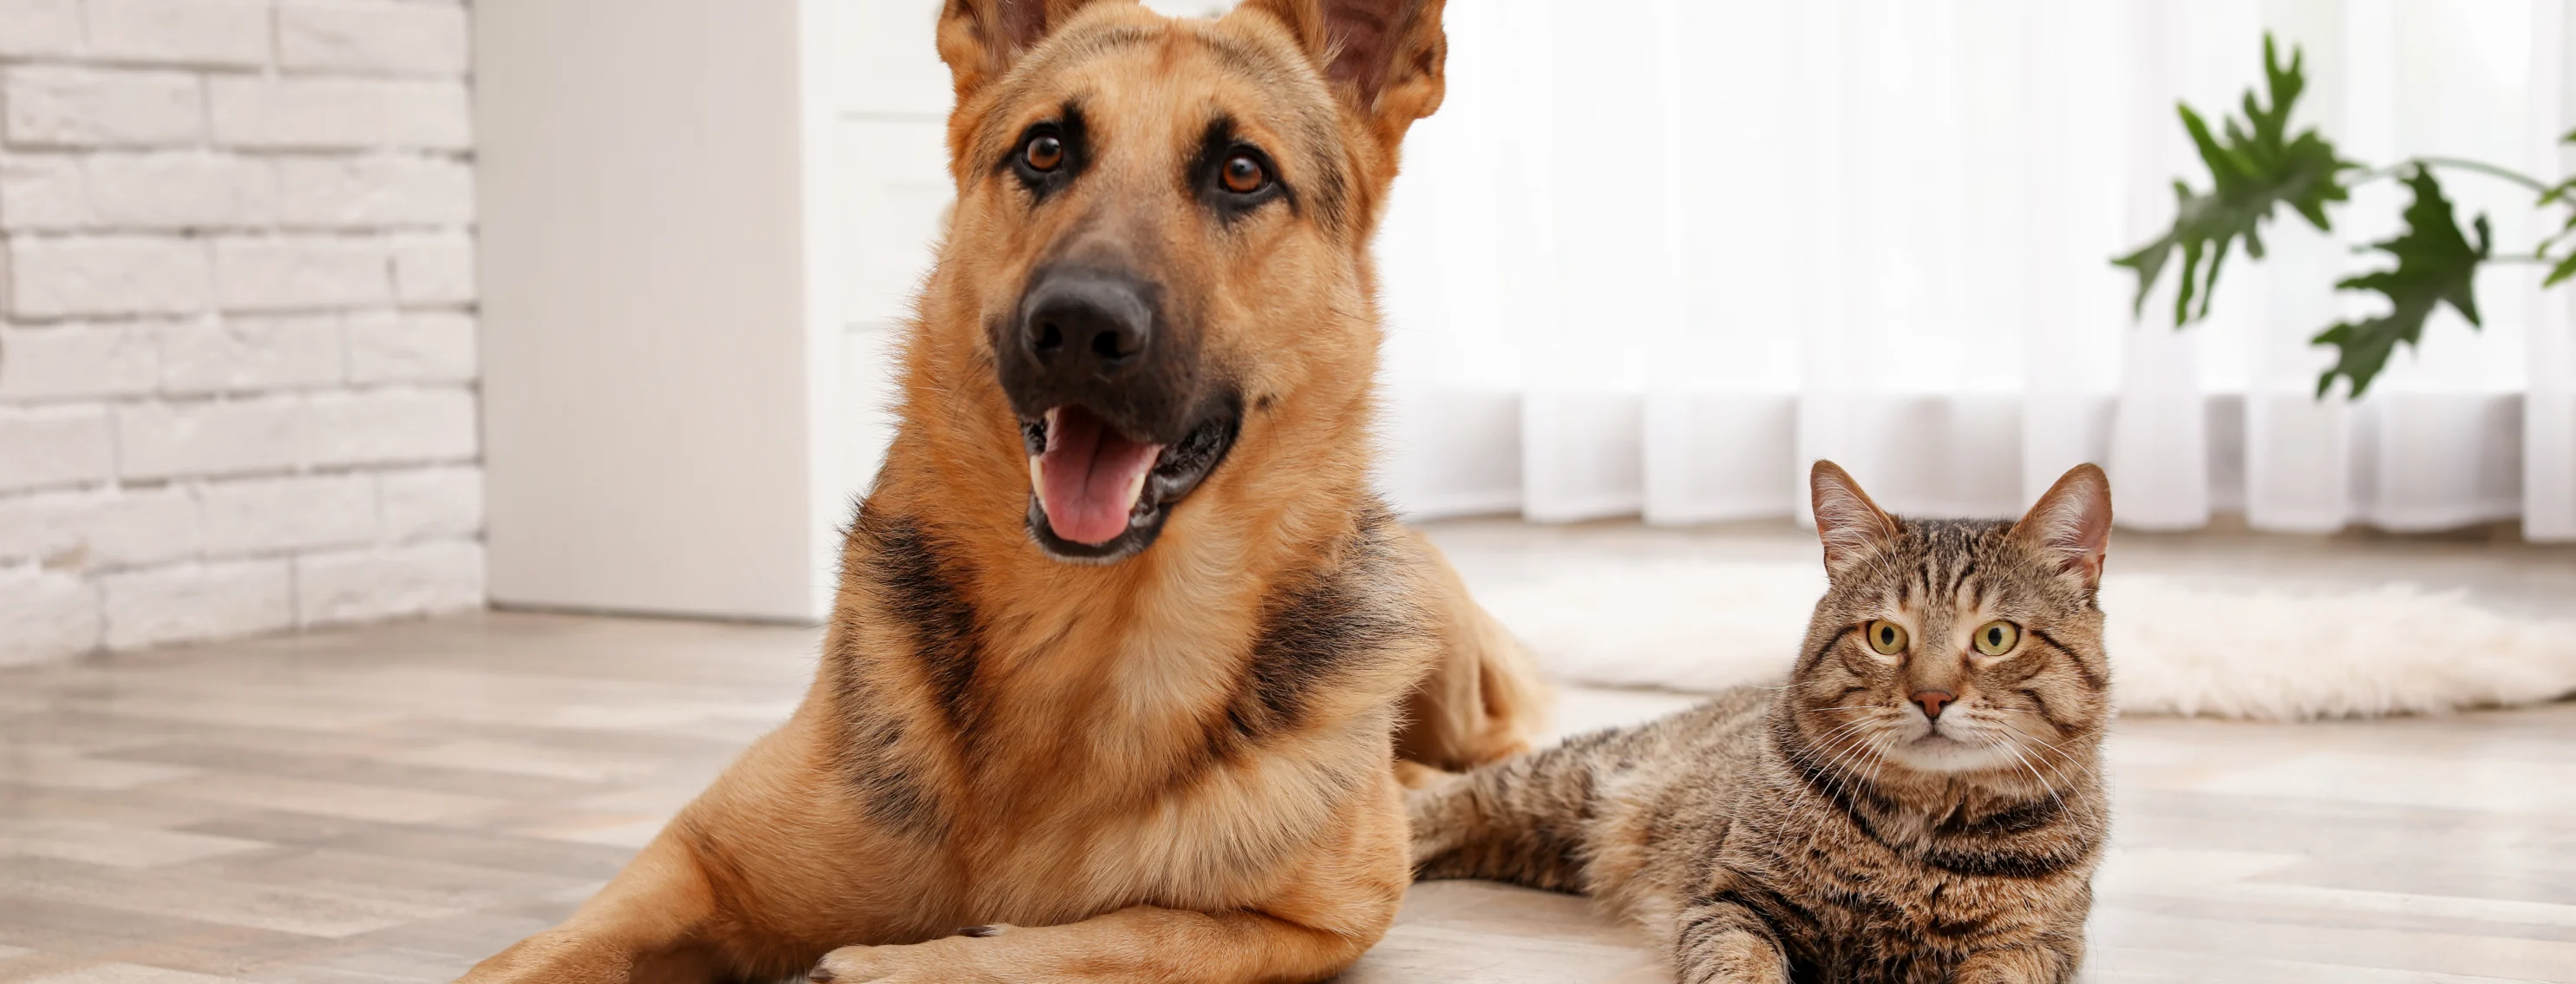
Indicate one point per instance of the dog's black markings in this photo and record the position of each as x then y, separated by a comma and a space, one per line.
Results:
1315, 633
922, 597
904, 566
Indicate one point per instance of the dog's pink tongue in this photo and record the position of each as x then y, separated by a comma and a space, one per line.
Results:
1089, 476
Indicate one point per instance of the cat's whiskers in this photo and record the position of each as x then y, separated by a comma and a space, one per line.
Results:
2051, 746
1878, 762
1832, 747
1877, 768
1837, 779
2057, 781
2014, 749
1847, 726
2090, 764
2085, 766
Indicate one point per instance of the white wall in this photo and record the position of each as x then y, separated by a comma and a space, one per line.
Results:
879, 167
706, 230
650, 419
237, 332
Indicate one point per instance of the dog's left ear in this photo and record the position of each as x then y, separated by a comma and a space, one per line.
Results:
2072, 522
980, 38
1383, 57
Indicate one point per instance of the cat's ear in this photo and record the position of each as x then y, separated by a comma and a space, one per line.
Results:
1849, 524
980, 38
1384, 58
2072, 522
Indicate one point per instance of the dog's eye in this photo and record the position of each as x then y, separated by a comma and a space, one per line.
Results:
1243, 175
1044, 152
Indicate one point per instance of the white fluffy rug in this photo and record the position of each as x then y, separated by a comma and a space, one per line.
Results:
1701, 625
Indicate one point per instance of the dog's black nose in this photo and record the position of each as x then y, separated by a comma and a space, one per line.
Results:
1086, 321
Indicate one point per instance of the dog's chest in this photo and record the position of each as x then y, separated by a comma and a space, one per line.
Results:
1221, 841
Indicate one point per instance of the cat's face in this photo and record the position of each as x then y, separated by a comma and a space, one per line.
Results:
1957, 647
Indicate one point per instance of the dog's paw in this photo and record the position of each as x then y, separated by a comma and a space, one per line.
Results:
935, 962
855, 964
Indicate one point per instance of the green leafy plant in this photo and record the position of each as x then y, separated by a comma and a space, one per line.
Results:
2257, 165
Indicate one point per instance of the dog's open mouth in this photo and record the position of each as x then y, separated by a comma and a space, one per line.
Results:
1097, 494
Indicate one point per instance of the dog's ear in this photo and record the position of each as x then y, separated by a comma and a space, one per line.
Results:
979, 38
1383, 56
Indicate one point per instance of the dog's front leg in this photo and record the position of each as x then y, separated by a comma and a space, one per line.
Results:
639, 930
1141, 943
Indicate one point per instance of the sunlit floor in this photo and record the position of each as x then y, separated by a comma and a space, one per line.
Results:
392, 803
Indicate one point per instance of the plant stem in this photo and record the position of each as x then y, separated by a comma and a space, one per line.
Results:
2490, 170
2481, 167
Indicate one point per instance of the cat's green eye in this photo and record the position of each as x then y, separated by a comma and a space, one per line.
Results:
1885, 636
1997, 637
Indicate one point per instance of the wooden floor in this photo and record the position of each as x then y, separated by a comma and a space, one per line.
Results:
391, 804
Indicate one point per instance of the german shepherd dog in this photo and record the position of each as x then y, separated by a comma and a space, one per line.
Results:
1125, 650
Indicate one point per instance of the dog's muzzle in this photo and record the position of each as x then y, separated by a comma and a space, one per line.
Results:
1118, 420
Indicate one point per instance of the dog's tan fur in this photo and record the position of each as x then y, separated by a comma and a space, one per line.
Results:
1174, 767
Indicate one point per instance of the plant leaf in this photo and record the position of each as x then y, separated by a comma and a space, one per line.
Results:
2566, 268
2436, 265
2562, 191
2559, 192
2258, 165
2553, 238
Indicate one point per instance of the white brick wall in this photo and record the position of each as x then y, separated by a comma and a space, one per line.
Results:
39, 28
228, 33
56, 106
339, 113
372, 36
237, 327
271, 273
358, 585
49, 613
53, 277
179, 190
190, 601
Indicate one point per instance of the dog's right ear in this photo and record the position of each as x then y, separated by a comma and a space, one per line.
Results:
1384, 57
979, 38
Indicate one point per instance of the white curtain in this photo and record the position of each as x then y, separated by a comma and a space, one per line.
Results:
1653, 256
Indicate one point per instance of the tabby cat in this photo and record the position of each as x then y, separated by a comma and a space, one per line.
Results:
1920, 803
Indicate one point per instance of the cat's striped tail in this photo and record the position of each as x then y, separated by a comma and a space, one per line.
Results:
1520, 820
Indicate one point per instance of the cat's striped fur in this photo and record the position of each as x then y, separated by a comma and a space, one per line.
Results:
1832, 830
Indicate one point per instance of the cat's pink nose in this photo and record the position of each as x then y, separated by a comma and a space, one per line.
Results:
1933, 701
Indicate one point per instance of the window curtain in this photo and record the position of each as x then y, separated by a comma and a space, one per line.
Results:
1654, 256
